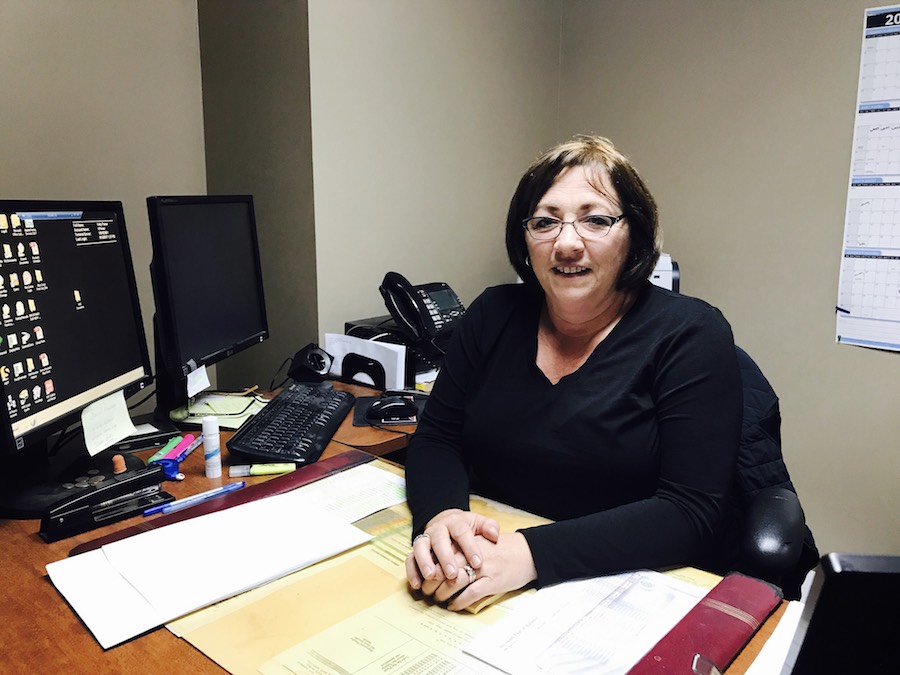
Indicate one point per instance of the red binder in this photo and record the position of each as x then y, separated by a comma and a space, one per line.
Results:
716, 629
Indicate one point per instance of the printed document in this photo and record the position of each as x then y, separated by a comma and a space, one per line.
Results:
601, 626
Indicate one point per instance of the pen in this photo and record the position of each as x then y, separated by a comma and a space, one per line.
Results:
199, 498
260, 469
143, 492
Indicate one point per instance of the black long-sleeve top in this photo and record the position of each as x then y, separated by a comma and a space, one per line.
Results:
633, 454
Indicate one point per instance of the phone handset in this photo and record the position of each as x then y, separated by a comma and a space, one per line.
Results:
422, 312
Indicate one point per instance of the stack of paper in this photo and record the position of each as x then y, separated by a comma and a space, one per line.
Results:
131, 586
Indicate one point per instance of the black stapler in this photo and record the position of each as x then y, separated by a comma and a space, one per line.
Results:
120, 497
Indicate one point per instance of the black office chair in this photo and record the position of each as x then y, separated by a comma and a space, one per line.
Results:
776, 544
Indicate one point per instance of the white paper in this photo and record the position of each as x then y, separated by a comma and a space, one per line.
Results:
164, 573
600, 626
106, 422
197, 381
109, 606
392, 357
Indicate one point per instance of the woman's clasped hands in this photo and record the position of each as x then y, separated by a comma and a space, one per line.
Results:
462, 557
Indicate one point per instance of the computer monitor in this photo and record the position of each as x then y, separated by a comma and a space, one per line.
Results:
846, 624
71, 334
207, 285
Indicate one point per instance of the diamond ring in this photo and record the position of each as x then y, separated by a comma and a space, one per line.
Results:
470, 572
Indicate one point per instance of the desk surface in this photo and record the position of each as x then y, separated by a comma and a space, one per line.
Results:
39, 632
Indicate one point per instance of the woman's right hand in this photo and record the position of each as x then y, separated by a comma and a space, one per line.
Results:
434, 554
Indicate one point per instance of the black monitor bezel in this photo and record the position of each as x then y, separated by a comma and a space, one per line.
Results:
44, 431
176, 364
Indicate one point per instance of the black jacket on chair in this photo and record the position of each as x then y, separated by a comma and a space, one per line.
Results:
777, 545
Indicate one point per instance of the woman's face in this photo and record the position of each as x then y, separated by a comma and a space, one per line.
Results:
579, 275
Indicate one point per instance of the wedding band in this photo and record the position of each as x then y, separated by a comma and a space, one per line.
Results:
470, 572
419, 536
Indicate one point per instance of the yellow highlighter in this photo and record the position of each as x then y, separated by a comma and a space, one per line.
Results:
260, 469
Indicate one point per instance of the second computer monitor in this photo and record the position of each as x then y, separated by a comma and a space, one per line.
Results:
207, 286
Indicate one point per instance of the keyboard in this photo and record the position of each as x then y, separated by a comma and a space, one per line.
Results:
295, 426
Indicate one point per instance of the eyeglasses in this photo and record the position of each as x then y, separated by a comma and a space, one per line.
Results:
545, 228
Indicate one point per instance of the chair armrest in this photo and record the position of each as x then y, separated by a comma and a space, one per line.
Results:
772, 539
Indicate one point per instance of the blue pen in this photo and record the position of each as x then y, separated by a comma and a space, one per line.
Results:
199, 498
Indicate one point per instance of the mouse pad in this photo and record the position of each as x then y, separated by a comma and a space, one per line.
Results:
363, 403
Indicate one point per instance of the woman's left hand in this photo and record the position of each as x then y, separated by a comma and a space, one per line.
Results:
507, 565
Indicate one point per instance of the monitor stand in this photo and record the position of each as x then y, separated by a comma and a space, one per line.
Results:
32, 480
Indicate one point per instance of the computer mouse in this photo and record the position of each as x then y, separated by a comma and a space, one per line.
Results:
391, 407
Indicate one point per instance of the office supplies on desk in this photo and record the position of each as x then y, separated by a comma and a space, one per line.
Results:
120, 497
193, 500
275, 486
366, 361
240, 470
294, 426
212, 454
164, 450
149, 433
186, 446
119, 592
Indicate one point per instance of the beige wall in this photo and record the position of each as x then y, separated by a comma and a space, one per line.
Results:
424, 115
257, 120
101, 100
740, 116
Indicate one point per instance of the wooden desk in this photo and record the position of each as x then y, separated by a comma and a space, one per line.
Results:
39, 632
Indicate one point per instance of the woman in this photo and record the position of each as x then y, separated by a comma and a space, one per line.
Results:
585, 395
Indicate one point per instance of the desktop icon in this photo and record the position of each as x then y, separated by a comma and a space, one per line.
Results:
20, 308
44, 359
35, 249
20, 249
10, 403
23, 396
4, 374
7, 251
39, 276
4, 223
18, 369
48, 387
25, 337
6, 310
14, 220
27, 279
13, 280
77, 296
12, 340
36, 392
32, 305
29, 363
38, 333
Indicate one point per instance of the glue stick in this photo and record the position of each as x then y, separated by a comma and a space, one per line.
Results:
211, 452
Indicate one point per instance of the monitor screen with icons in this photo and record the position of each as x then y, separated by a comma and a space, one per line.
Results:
71, 329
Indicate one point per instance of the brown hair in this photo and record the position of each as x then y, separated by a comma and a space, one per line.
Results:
631, 194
